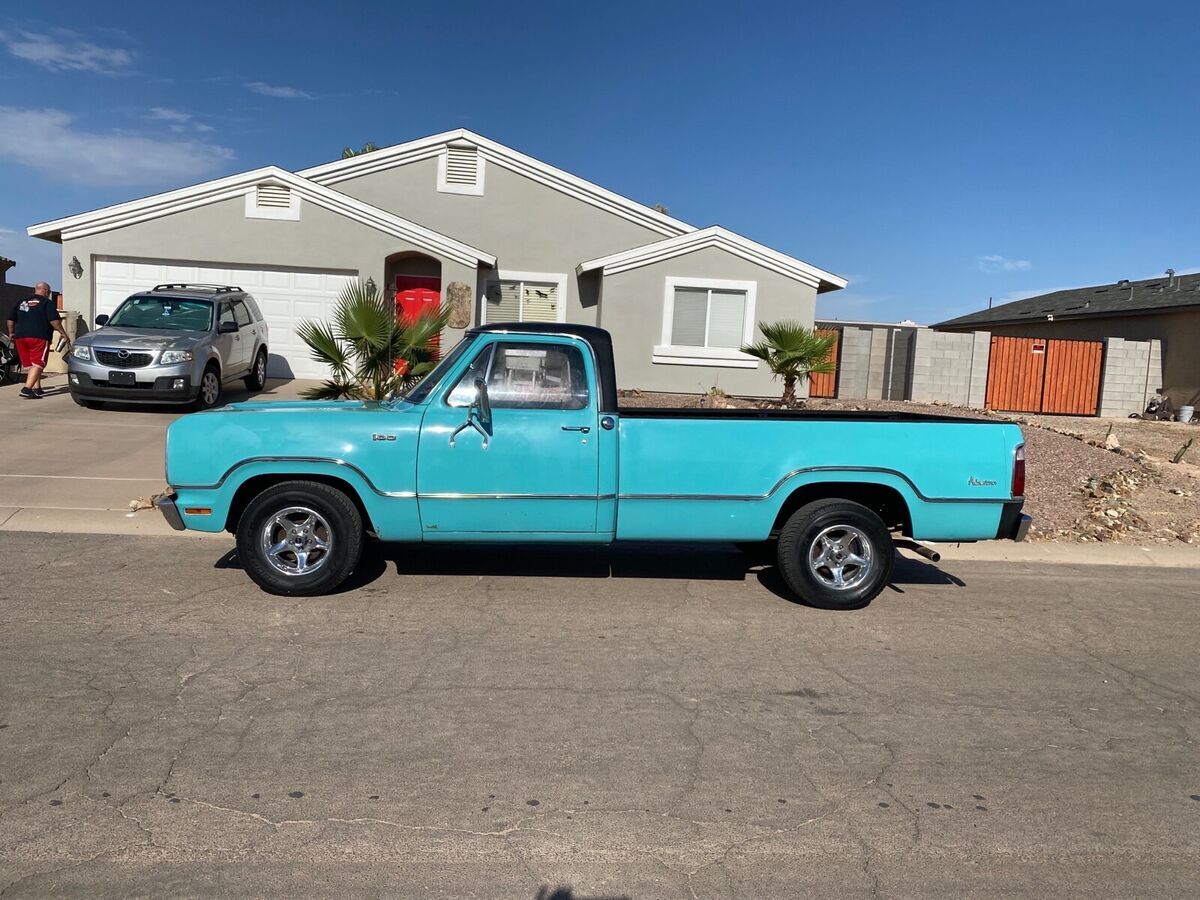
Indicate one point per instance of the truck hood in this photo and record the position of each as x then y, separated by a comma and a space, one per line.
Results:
143, 339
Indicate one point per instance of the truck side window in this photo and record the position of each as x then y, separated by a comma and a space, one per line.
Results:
527, 376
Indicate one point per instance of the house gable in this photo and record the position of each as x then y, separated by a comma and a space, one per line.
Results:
440, 146
250, 185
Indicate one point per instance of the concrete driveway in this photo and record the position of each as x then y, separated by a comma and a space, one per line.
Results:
643, 724
67, 468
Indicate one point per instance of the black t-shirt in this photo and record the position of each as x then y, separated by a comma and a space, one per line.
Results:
33, 317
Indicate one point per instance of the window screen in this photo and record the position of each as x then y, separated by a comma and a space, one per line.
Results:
708, 318
526, 376
521, 301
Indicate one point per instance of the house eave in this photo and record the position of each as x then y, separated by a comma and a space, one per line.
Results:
722, 239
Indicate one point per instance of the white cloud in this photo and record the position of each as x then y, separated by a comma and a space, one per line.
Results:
277, 90
177, 120
997, 263
62, 50
45, 139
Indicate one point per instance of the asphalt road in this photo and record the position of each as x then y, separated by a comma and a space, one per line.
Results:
646, 725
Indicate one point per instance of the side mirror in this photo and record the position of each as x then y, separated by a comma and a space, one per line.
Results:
227, 328
482, 405
101, 320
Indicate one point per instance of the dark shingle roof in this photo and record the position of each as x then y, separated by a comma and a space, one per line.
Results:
1148, 295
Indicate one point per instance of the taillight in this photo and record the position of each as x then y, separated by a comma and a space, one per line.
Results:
1018, 479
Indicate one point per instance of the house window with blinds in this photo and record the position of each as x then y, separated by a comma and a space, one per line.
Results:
523, 300
704, 317
706, 322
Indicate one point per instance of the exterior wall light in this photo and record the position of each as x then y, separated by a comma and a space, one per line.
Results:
75, 267
370, 284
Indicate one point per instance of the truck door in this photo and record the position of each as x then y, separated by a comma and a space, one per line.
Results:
535, 471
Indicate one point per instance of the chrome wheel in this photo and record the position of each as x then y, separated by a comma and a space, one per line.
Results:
210, 388
840, 557
296, 541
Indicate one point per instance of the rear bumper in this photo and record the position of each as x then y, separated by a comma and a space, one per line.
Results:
1014, 525
161, 390
166, 505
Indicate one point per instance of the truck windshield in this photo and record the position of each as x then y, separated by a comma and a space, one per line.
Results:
164, 313
421, 389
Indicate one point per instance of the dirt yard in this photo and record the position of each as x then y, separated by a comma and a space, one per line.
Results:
1077, 490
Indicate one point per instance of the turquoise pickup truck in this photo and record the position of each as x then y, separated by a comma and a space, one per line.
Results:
517, 437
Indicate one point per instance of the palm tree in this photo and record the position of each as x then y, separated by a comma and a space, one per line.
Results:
368, 147
371, 352
793, 353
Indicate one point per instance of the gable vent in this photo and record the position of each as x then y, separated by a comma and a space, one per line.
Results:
460, 169
462, 165
273, 196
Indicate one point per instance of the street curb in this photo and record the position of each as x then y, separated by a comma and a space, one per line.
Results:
62, 520
1162, 555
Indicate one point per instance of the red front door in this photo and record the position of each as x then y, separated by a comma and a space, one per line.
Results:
417, 295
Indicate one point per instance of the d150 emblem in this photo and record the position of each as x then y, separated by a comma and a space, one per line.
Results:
383, 437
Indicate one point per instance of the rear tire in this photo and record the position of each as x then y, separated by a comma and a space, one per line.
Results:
210, 389
257, 379
835, 554
300, 539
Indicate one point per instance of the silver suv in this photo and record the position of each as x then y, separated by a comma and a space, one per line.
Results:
178, 343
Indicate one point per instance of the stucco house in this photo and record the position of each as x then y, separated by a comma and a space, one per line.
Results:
421, 219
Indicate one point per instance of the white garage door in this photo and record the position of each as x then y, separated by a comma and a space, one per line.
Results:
285, 296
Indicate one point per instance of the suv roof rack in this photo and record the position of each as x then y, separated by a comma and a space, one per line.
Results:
216, 288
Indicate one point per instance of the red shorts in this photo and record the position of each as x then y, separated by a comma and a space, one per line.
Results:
34, 352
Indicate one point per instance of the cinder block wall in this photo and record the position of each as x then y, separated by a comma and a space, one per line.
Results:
949, 367
854, 363
1133, 372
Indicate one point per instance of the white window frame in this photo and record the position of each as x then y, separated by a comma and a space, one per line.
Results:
475, 189
719, 357
556, 278
291, 214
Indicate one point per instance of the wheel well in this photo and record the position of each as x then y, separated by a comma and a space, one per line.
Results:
884, 500
259, 483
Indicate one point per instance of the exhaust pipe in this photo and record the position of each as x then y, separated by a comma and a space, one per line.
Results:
921, 550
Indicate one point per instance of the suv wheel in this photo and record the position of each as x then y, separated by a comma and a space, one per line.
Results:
210, 388
300, 538
257, 379
836, 554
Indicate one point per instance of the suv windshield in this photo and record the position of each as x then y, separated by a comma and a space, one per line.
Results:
166, 313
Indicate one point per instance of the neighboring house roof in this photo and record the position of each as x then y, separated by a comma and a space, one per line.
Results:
867, 323
1150, 295
716, 236
506, 157
166, 204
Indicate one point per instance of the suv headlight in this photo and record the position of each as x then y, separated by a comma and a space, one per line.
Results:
175, 356
80, 351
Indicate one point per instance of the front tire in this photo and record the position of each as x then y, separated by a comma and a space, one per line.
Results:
300, 539
835, 554
257, 379
210, 389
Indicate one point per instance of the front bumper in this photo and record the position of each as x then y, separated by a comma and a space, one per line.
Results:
1014, 525
161, 390
166, 505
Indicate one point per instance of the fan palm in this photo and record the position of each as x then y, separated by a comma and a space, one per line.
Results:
370, 352
793, 353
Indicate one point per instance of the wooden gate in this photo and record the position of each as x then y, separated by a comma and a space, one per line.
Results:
825, 385
1044, 376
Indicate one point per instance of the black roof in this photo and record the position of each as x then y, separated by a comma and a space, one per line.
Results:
1123, 298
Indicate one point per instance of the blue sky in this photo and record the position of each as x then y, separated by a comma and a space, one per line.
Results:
934, 153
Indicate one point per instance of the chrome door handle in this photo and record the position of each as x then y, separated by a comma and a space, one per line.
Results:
583, 428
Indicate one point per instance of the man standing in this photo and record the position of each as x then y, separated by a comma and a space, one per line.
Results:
31, 324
